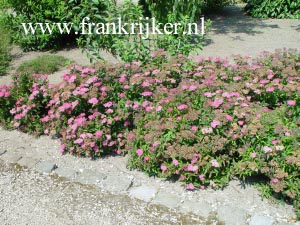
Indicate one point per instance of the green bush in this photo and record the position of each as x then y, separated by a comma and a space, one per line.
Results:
129, 47
192, 9
274, 9
135, 47
5, 37
44, 11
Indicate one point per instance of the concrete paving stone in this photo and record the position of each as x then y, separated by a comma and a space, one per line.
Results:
116, 183
201, 208
45, 167
261, 220
2, 151
88, 176
28, 162
144, 192
66, 172
11, 157
232, 215
166, 199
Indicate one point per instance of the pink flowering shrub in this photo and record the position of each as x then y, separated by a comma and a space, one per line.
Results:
201, 121
6, 102
30, 108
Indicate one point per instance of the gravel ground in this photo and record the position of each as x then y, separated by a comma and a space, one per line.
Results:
234, 33
27, 197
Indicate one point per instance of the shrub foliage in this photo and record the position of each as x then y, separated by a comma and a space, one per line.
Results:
201, 121
274, 9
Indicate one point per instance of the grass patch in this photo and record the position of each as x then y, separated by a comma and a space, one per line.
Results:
45, 64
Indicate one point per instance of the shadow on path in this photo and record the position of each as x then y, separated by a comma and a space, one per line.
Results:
233, 19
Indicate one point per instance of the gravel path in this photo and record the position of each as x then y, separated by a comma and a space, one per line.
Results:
27, 197
233, 33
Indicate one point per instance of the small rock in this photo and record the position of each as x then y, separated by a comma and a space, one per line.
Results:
88, 176
45, 167
143, 192
27, 162
201, 208
261, 220
65, 172
232, 215
116, 183
168, 200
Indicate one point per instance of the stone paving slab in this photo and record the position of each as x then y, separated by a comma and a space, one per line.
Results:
66, 173
11, 157
45, 167
88, 176
116, 183
261, 220
201, 208
143, 192
166, 199
28, 162
232, 215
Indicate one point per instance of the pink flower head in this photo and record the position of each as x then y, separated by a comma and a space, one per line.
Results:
291, 102
158, 108
229, 118
146, 93
108, 104
182, 107
270, 89
241, 123
215, 163
253, 155
109, 111
78, 141
202, 177
99, 133
126, 86
175, 162
194, 128
155, 144
163, 167
275, 180
192, 87
130, 136
267, 149
62, 148
190, 186
93, 101
216, 103
215, 123
139, 152
126, 123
